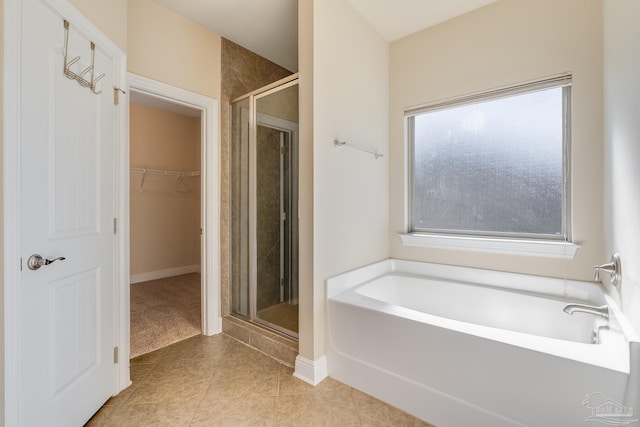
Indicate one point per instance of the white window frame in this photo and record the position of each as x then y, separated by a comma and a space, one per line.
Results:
503, 243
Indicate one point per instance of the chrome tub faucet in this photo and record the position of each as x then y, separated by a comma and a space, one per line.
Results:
603, 310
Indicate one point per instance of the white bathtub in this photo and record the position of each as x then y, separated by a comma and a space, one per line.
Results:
459, 347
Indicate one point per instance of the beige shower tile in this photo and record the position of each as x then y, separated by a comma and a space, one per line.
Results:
375, 413
286, 355
258, 411
236, 331
315, 410
265, 345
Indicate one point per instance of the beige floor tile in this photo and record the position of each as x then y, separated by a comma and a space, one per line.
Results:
159, 414
149, 358
243, 383
239, 354
218, 381
196, 369
121, 398
165, 390
139, 372
198, 347
375, 413
102, 417
257, 411
322, 409
291, 385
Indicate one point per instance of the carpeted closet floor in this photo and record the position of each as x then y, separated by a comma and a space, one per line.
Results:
163, 312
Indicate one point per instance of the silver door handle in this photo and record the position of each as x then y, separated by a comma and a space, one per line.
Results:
36, 261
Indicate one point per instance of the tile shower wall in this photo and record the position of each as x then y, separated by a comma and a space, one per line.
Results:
268, 217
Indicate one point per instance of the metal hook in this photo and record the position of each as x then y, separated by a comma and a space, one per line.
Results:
144, 175
84, 82
93, 84
67, 64
80, 78
179, 179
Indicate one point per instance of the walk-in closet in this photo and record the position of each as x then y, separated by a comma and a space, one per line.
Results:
165, 212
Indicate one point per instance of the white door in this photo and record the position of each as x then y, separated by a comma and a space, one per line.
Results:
66, 335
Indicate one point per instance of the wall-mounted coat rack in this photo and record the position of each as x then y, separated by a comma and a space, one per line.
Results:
179, 176
375, 154
84, 78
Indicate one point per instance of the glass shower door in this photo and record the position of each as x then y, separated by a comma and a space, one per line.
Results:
276, 288
264, 203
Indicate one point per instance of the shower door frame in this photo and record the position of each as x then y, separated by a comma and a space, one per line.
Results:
249, 135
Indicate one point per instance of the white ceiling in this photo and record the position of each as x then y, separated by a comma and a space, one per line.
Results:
266, 27
270, 27
395, 19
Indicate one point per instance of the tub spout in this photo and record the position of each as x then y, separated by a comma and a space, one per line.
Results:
591, 309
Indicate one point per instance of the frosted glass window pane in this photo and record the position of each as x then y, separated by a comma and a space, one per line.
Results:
491, 167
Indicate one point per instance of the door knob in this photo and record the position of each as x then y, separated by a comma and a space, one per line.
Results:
36, 261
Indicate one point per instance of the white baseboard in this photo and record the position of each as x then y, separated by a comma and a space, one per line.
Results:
161, 274
311, 371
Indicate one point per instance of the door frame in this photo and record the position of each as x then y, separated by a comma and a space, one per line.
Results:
210, 191
11, 196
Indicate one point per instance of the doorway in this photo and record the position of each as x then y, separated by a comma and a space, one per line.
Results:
202, 181
165, 218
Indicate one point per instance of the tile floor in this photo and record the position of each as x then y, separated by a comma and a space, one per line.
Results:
218, 381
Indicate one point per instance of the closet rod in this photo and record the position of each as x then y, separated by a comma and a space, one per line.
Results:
165, 172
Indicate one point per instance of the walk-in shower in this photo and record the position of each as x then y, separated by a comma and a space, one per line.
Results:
264, 206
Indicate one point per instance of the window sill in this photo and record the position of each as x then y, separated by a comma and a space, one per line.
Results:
538, 248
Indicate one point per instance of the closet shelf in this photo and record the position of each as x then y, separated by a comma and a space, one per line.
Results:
179, 176
165, 172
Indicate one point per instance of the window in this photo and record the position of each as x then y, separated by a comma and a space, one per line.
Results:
494, 164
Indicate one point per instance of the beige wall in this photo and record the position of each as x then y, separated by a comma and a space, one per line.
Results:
164, 46
508, 42
306, 315
165, 226
622, 147
109, 16
350, 188
2, 346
